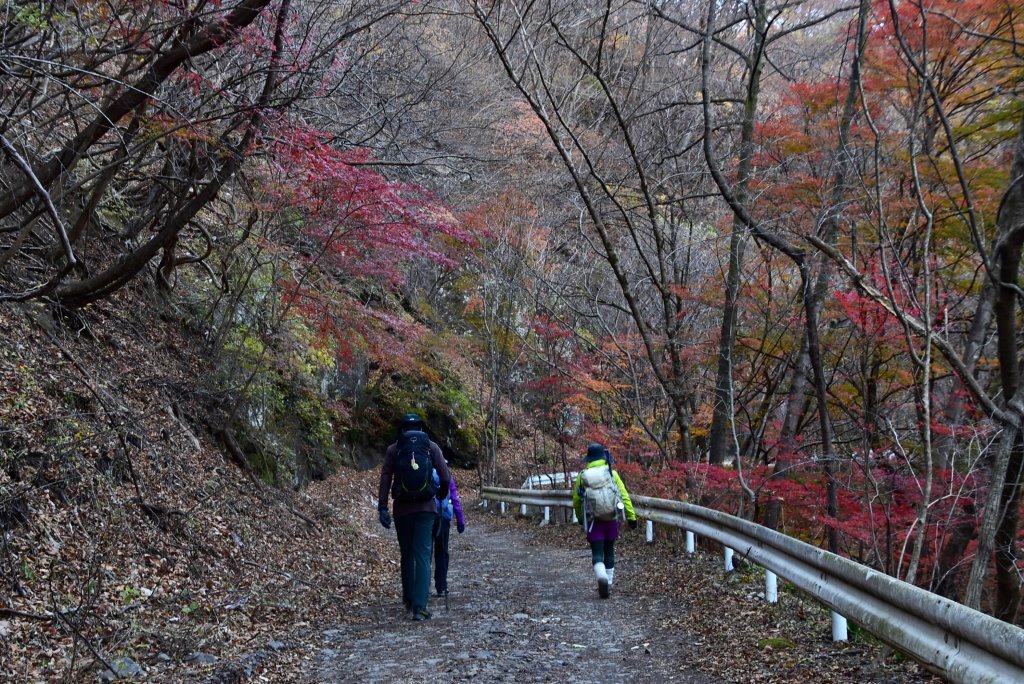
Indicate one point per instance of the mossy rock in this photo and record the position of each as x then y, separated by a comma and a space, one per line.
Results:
775, 643
459, 445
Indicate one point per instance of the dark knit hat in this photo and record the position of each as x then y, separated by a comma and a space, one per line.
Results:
595, 451
411, 421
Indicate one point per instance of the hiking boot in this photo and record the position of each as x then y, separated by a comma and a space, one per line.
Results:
441, 593
602, 579
420, 614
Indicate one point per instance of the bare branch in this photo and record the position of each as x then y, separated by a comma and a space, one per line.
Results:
58, 225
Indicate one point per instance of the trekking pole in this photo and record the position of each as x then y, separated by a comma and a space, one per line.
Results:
447, 606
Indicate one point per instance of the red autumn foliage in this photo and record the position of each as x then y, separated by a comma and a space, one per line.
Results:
878, 504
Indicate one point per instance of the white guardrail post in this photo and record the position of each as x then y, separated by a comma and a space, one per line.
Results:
838, 627
961, 644
771, 587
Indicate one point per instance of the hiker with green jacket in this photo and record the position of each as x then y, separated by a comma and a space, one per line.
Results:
600, 500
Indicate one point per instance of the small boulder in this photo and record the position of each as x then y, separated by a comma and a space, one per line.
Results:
121, 667
201, 658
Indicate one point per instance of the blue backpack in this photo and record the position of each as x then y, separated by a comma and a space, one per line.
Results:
444, 507
447, 509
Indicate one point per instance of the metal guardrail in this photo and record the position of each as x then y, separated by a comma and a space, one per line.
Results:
549, 480
961, 644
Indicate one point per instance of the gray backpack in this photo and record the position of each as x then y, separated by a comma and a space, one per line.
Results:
600, 494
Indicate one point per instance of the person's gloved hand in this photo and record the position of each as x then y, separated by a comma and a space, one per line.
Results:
461, 527
633, 524
385, 518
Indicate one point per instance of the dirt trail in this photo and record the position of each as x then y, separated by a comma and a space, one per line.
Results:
519, 612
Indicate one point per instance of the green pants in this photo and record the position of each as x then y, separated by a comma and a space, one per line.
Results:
415, 541
603, 552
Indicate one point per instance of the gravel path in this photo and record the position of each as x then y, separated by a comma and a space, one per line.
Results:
520, 611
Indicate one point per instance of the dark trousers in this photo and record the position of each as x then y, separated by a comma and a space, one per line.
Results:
415, 537
441, 555
603, 552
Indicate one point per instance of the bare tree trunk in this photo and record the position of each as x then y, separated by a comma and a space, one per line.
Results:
1008, 576
798, 257
947, 570
829, 231
990, 519
998, 520
975, 342
721, 418
795, 400
1010, 222
923, 390
827, 449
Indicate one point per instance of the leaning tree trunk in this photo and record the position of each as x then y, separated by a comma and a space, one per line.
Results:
116, 276
1010, 222
215, 35
1000, 518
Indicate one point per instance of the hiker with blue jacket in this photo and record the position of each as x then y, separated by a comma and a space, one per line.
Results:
601, 501
451, 509
407, 477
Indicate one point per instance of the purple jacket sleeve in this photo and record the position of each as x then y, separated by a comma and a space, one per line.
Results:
456, 504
